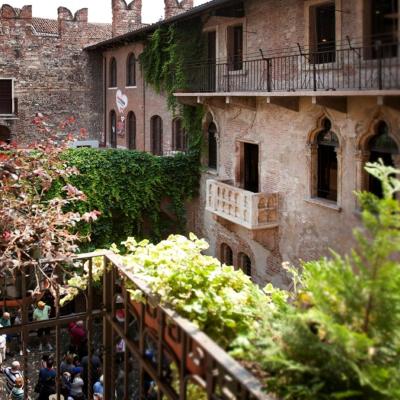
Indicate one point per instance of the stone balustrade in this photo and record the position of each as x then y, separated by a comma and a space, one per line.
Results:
250, 210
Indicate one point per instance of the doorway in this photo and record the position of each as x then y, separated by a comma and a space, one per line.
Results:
250, 179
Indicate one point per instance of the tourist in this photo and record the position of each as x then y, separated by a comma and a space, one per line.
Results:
42, 313
17, 393
78, 335
47, 381
77, 384
5, 322
11, 374
45, 359
66, 384
98, 386
67, 365
96, 367
3, 347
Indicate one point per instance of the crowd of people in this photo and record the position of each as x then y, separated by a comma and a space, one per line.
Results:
73, 367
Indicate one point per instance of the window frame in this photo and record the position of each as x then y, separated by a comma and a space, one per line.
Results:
113, 134
225, 249
12, 99
241, 266
212, 167
131, 117
156, 151
129, 66
235, 56
113, 73
179, 131
312, 142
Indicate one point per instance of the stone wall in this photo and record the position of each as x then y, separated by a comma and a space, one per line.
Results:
52, 74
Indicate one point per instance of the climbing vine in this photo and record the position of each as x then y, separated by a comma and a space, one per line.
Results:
164, 62
136, 193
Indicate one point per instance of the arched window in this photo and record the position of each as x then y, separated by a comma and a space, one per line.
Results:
327, 173
131, 70
245, 263
380, 146
113, 129
113, 73
226, 254
212, 146
131, 127
156, 133
179, 139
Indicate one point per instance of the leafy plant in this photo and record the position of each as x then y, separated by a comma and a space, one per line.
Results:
33, 225
338, 336
129, 188
164, 62
222, 302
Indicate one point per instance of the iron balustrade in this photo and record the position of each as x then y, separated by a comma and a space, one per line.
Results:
163, 352
349, 68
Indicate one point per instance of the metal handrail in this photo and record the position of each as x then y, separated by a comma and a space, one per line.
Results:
374, 67
220, 373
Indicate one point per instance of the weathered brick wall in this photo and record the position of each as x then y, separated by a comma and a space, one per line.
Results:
126, 17
140, 99
307, 230
52, 74
175, 7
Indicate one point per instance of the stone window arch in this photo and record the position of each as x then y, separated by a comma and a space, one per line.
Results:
113, 129
131, 130
212, 142
179, 137
325, 162
226, 254
131, 70
156, 135
244, 263
378, 143
113, 73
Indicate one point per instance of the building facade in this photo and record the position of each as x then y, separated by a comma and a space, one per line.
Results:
298, 96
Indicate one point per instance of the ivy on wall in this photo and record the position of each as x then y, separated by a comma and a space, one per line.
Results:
164, 62
137, 193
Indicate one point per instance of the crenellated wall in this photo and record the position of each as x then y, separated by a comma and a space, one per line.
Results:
52, 74
175, 7
126, 17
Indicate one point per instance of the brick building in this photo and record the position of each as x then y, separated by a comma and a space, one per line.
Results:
298, 96
43, 69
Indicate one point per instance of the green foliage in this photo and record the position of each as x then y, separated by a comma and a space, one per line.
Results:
164, 62
338, 336
128, 188
224, 303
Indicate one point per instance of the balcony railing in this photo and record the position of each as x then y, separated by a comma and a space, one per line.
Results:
248, 209
351, 68
164, 354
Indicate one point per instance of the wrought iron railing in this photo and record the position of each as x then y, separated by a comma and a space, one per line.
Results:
347, 68
164, 355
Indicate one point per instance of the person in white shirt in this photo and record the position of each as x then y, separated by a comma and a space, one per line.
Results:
3, 346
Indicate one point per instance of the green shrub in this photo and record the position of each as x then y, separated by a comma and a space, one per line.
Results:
339, 337
128, 187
